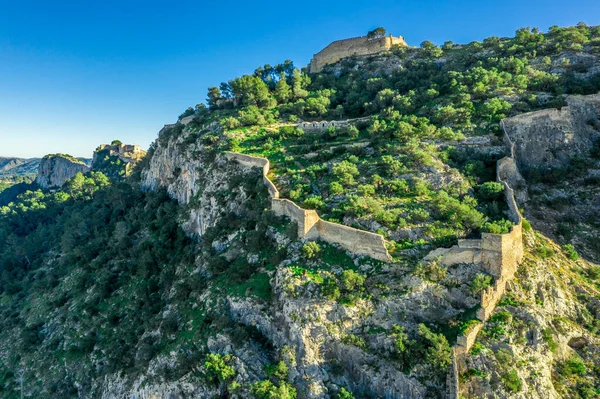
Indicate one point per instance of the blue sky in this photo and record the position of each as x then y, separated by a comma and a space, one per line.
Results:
75, 74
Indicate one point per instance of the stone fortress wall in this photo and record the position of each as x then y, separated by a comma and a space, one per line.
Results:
551, 137
310, 225
544, 138
319, 126
360, 46
500, 254
120, 148
129, 154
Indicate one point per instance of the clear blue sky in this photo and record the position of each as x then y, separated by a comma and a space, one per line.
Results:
75, 74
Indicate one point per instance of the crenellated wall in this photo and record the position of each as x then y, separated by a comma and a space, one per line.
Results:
499, 254
310, 225
322, 125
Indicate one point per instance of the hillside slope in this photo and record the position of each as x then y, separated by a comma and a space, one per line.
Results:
183, 279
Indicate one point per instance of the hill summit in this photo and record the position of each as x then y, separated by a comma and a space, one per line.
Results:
412, 222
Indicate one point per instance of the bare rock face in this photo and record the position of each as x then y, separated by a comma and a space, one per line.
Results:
194, 180
551, 137
523, 346
56, 169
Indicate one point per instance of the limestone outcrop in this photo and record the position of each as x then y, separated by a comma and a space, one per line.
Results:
56, 169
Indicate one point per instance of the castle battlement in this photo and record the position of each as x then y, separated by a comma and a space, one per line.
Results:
357, 46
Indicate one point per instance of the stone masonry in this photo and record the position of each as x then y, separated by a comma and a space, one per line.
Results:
310, 225
322, 125
358, 46
500, 254
552, 137
129, 154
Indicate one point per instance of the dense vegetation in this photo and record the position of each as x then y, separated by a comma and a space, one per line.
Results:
98, 279
114, 243
401, 172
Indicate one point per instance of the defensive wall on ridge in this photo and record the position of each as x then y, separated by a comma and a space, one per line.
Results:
552, 137
500, 255
310, 225
360, 46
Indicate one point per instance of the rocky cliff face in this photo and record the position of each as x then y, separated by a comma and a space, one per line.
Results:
544, 326
195, 179
332, 345
55, 170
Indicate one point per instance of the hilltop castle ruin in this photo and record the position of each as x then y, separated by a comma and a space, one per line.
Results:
360, 46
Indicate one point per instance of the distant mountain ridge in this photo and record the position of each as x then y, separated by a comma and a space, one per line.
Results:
18, 166
13, 166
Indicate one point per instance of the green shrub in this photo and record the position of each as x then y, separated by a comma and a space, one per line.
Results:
330, 289
311, 249
267, 390
504, 356
279, 370
290, 131
392, 166
346, 172
544, 251
419, 215
548, 337
366, 190
497, 227
354, 340
432, 271
570, 252
502, 317
344, 394
217, 366
230, 123
526, 225
480, 282
512, 381
336, 188
460, 215
419, 187
398, 186
438, 353
314, 202
352, 281
401, 339
594, 272
573, 366
477, 348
